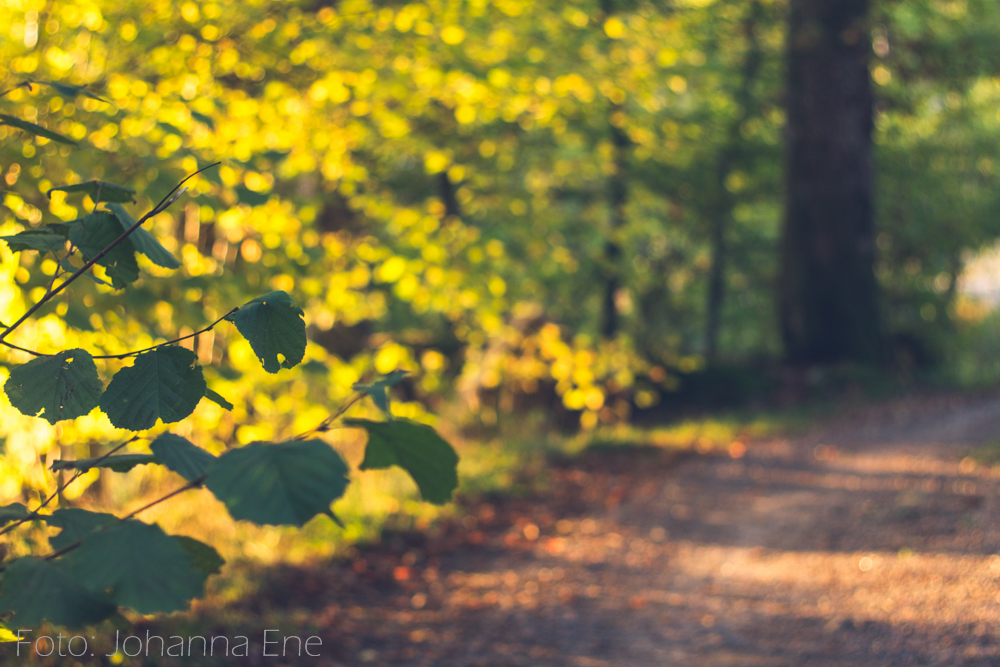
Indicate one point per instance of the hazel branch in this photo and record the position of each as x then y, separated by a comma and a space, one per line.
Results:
125, 355
171, 197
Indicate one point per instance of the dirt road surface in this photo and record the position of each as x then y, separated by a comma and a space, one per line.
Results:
871, 540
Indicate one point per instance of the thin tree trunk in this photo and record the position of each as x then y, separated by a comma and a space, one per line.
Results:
828, 294
617, 198
447, 189
723, 212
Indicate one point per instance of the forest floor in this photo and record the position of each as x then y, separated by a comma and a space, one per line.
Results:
871, 539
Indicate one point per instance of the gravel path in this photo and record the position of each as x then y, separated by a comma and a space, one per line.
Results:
871, 541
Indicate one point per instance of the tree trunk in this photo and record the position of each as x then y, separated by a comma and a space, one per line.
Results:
617, 199
828, 293
730, 154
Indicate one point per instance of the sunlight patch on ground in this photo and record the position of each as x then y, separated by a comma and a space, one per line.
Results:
882, 586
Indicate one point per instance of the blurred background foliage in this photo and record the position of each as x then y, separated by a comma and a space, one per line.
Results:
522, 203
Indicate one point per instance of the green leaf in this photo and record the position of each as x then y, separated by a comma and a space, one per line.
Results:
145, 568
71, 92
37, 130
250, 197
417, 449
204, 558
278, 484
274, 156
377, 390
203, 119
97, 231
42, 239
12, 512
315, 367
67, 265
165, 383
76, 524
273, 326
182, 456
172, 129
37, 589
143, 241
218, 399
120, 463
62, 386
99, 191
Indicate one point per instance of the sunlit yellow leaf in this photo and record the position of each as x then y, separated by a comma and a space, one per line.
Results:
452, 34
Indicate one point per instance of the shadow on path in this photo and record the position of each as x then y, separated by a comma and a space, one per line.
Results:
868, 542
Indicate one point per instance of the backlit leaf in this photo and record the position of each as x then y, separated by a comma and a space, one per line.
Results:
37, 130
202, 118
165, 383
377, 390
218, 399
145, 568
71, 92
278, 484
62, 386
67, 266
12, 512
76, 524
42, 239
273, 326
182, 456
417, 449
204, 558
119, 463
143, 241
95, 232
98, 191
36, 589
251, 198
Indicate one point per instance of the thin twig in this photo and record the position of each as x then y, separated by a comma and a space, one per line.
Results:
194, 483
98, 199
69, 547
55, 275
23, 84
24, 349
58, 272
164, 203
125, 355
62, 487
325, 424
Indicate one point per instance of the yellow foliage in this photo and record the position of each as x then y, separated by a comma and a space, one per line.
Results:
435, 161
315, 109
452, 34
614, 28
